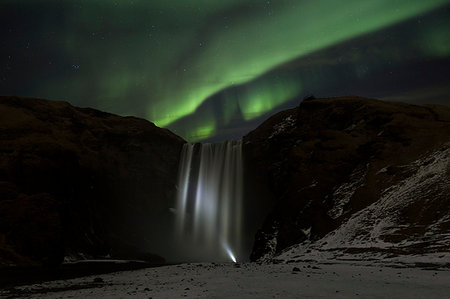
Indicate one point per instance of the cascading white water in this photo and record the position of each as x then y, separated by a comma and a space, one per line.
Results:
209, 200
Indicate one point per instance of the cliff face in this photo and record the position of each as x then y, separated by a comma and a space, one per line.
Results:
344, 173
80, 182
354, 173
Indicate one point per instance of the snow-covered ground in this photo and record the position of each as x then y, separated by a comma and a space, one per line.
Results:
284, 280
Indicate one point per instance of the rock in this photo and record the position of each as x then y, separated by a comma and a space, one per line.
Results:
82, 183
329, 159
296, 269
98, 280
31, 230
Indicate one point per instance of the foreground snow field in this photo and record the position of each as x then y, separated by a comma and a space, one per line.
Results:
284, 280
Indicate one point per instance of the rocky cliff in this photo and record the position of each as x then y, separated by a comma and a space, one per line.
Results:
354, 174
78, 182
343, 174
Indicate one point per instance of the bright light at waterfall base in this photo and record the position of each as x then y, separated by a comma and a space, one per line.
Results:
230, 253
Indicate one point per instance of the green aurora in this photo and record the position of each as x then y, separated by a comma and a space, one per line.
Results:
163, 59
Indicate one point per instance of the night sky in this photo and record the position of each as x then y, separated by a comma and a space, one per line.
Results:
211, 70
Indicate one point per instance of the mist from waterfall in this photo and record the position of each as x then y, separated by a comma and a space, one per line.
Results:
209, 207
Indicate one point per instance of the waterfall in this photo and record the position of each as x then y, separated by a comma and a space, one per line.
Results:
209, 200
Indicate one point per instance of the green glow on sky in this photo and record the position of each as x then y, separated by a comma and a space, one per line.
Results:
263, 97
436, 39
184, 105
201, 133
199, 128
163, 59
231, 108
246, 48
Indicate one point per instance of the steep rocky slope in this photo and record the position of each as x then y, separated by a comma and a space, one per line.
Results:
79, 182
355, 175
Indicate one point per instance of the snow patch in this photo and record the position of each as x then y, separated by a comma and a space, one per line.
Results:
383, 170
365, 228
353, 126
364, 235
307, 232
285, 126
347, 279
271, 246
345, 192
